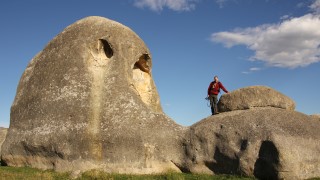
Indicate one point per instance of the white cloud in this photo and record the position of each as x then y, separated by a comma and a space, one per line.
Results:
175, 5
292, 43
158, 5
251, 70
284, 17
255, 69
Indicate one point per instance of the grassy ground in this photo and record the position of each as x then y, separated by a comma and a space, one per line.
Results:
25, 173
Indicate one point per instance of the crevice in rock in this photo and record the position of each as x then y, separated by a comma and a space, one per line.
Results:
267, 164
183, 168
105, 45
143, 63
42, 150
243, 145
3, 163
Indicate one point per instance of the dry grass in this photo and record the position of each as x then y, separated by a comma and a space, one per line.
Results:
26, 173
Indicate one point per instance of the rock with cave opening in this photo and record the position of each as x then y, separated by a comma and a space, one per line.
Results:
88, 101
265, 142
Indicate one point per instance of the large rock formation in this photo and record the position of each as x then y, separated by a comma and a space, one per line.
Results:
3, 133
88, 101
252, 97
268, 143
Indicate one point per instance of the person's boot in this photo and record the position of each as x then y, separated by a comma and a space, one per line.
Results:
216, 110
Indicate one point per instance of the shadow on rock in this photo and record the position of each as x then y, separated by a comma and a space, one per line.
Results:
223, 164
267, 164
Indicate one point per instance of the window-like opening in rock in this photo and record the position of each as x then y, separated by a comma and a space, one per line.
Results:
142, 82
143, 63
106, 48
267, 164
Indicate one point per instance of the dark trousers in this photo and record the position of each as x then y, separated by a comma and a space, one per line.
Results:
213, 103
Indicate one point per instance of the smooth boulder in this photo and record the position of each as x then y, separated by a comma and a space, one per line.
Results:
88, 101
253, 97
268, 143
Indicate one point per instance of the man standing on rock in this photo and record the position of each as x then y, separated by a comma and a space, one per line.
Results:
213, 91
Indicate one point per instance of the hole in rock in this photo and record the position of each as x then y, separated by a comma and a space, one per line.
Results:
143, 63
244, 145
3, 163
143, 83
106, 48
267, 164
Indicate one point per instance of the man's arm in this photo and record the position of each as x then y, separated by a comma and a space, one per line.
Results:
223, 88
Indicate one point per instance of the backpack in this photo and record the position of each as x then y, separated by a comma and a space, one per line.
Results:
219, 85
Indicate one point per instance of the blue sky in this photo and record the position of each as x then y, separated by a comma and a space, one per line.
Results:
245, 42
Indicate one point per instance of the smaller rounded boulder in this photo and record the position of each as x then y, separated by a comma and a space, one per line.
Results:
253, 97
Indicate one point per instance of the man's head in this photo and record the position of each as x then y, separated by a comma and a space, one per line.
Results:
216, 78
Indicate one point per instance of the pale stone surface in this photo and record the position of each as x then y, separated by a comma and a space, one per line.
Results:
252, 97
87, 101
268, 143
315, 116
3, 133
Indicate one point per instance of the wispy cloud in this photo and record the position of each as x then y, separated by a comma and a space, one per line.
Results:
301, 5
159, 5
175, 5
221, 3
315, 6
285, 17
251, 70
255, 69
294, 42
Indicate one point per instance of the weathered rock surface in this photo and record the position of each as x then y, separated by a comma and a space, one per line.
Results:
88, 101
269, 143
316, 116
252, 97
3, 133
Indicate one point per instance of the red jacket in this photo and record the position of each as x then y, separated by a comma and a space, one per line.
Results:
214, 88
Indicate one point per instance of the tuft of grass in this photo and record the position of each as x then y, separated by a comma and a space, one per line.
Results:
26, 173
